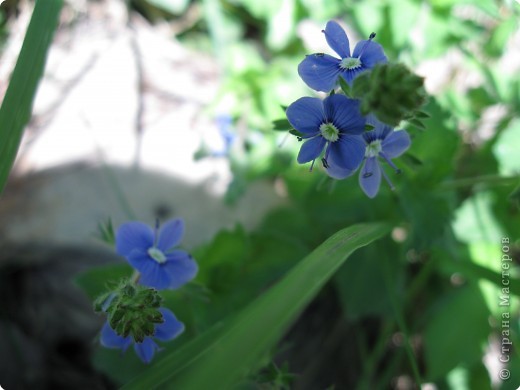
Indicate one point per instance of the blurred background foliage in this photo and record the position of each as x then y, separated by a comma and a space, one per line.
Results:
457, 198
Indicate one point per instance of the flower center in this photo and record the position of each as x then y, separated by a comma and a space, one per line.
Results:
350, 63
157, 255
329, 132
373, 148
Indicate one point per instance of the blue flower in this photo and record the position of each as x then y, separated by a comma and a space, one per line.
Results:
334, 124
224, 124
168, 330
381, 142
152, 253
321, 71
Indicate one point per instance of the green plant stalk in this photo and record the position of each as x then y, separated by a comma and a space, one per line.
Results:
402, 325
491, 180
375, 356
17, 105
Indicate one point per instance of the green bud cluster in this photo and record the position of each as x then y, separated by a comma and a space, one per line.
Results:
132, 310
390, 91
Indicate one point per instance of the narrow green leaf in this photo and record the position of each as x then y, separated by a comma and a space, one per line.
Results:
345, 87
410, 159
281, 125
17, 105
422, 114
245, 339
417, 123
369, 127
296, 133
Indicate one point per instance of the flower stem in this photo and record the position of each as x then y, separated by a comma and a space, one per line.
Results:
485, 179
135, 277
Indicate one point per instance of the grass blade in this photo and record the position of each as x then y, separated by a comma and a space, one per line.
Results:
17, 105
236, 349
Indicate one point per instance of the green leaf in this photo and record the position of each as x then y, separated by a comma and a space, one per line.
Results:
345, 87
457, 328
421, 115
411, 160
296, 133
506, 149
282, 125
366, 264
417, 123
106, 232
255, 330
17, 105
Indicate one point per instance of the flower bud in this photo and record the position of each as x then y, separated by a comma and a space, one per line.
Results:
391, 92
133, 310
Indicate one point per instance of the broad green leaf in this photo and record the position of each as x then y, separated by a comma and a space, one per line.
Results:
351, 280
234, 351
457, 329
506, 149
475, 222
17, 105
441, 135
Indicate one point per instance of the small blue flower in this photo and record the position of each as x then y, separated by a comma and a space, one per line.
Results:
334, 124
166, 331
152, 253
381, 142
224, 124
321, 71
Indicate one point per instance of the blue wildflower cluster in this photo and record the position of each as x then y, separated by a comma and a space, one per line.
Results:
353, 126
134, 313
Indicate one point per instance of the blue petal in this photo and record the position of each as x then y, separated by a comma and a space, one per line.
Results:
170, 328
170, 234
370, 177
348, 151
371, 54
140, 260
319, 71
344, 113
306, 115
311, 149
110, 339
180, 267
380, 130
350, 74
336, 172
337, 39
133, 235
396, 143
154, 275
146, 349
